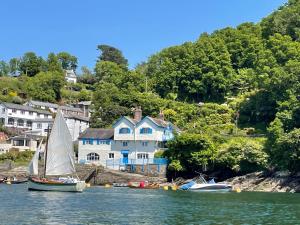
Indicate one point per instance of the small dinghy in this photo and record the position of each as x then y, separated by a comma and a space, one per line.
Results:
120, 185
200, 184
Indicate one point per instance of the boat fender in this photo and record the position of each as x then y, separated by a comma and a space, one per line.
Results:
88, 185
174, 188
166, 188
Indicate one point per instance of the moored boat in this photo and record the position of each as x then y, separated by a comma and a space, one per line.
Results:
59, 161
200, 184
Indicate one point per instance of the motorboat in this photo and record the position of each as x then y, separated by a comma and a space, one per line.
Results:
200, 184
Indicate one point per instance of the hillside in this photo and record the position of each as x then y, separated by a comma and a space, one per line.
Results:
235, 93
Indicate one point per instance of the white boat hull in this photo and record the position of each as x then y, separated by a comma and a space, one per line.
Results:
211, 187
62, 187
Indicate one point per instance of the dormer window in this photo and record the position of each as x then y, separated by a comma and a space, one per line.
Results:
145, 130
124, 130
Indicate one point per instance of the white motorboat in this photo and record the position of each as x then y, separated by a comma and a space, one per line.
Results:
200, 184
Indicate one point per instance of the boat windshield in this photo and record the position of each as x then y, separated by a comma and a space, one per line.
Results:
200, 180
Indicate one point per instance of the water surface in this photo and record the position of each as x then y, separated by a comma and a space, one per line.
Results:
98, 205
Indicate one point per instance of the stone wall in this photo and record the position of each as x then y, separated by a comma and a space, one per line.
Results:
153, 170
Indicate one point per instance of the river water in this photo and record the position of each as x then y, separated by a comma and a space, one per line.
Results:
98, 205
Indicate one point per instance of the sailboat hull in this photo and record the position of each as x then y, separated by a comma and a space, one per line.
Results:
34, 185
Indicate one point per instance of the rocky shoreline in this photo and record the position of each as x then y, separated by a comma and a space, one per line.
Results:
258, 181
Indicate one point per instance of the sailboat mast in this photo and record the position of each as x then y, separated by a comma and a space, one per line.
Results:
46, 148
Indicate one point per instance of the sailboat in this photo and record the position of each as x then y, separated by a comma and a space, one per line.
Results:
59, 161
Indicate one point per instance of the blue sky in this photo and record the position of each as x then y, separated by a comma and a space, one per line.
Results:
139, 28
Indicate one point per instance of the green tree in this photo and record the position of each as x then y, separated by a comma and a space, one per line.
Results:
67, 60
112, 54
45, 86
31, 64
53, 63
4, 68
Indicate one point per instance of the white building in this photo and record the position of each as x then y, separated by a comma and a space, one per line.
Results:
76, 125
20, 116
134, 139
26, 142
65, 109
95, 146
85, 106
70, 76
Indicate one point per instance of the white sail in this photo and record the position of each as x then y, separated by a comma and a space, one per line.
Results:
33, 167
60, 153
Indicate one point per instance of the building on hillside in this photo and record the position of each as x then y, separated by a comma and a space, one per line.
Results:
133, 140
85, 106
70, 76
5, 145
25, 142
76, 125
65, 109
95, 146
20, 116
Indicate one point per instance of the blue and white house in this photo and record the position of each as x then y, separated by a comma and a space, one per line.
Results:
132, 141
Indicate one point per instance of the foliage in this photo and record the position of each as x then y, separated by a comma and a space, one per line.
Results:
242, 155
112, 54
17, 156
67, 60
190, 152
31, 64
45, 86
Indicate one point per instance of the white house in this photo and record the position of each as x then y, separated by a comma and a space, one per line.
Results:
65, 109
20, 116
26, 142
85, 106
70, 76
76, 125
95, 146
133, 140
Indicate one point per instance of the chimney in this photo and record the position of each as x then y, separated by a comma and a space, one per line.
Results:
161, 115
138, 113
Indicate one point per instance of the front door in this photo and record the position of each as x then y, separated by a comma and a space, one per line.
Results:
125, 158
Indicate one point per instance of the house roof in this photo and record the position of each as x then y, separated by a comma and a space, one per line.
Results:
84, 103
76, 117
45, 120
97, 133
24, 107
70, 73
45, 104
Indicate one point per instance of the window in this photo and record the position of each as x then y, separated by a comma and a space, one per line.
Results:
20, 122
145, 143
111, 155
146, 130
39, 126
22, 111
142, 156
92, 157
124, 130
14, 110
11, 121
30, 113
103, 142
89, 141
125, 143
29, 123
3, 110
38, 115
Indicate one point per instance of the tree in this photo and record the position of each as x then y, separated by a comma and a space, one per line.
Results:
53, 63
31, 64
67, 61
45, 86
109, 72
14, 65
4, 68
112, 54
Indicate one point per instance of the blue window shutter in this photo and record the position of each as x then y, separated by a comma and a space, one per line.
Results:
98, 141
83, 141
91, 141
150, 131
